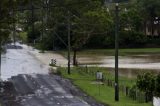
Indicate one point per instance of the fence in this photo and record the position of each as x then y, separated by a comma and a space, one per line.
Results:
131, 92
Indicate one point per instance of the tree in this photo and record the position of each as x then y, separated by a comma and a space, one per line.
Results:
146, 83
92, 22
131, 20
5, 22
150, 10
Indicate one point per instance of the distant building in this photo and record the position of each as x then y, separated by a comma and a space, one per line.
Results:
153, 28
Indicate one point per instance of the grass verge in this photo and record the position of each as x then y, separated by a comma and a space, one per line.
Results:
101, 93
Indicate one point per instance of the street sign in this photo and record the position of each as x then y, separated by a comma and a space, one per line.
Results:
53, 62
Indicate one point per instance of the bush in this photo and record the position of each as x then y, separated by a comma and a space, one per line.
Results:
157, 86
149, 84
132, 39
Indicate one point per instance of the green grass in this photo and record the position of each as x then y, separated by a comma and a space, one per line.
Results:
122, 52
102, 93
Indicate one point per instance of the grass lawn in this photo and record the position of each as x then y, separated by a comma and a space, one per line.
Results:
102, 93
122, 52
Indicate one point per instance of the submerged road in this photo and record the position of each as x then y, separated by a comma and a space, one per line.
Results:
32, 86
21, 61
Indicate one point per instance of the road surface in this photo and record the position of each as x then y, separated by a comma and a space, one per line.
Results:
30, 84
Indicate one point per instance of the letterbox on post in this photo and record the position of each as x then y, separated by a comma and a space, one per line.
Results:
99, 76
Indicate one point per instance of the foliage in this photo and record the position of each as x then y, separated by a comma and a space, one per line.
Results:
132, 39
92, 23
5, 17
157, 86
146, 82
23, 36
149, 8
131, 20
150, 84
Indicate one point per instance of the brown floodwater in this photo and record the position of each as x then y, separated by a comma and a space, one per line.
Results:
28, 61
129, 66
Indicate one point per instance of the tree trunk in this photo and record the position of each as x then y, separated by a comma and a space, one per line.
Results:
152, 27
146, 97
145, 28
75, 57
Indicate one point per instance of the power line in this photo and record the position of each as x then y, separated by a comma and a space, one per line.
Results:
101, 33
61, 39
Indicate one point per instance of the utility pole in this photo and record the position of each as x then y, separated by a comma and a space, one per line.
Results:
14, 29
32, 10
0, 57
14, 34
42, 29
69, 44
116, 51
42, 34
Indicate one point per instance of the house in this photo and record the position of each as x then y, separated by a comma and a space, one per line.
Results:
153, 28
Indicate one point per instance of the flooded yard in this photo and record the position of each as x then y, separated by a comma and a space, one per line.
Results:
135, 62
129, 66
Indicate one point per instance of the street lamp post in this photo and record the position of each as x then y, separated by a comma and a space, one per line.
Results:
116, 52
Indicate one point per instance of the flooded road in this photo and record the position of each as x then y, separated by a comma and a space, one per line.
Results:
29, 60
26, 72
21, 61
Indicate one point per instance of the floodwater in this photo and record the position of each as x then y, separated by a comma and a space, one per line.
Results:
20, 61
132, 62
27, 69
129, 66
30, 61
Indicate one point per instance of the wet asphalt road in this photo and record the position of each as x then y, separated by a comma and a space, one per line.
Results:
32, 85
43, 90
